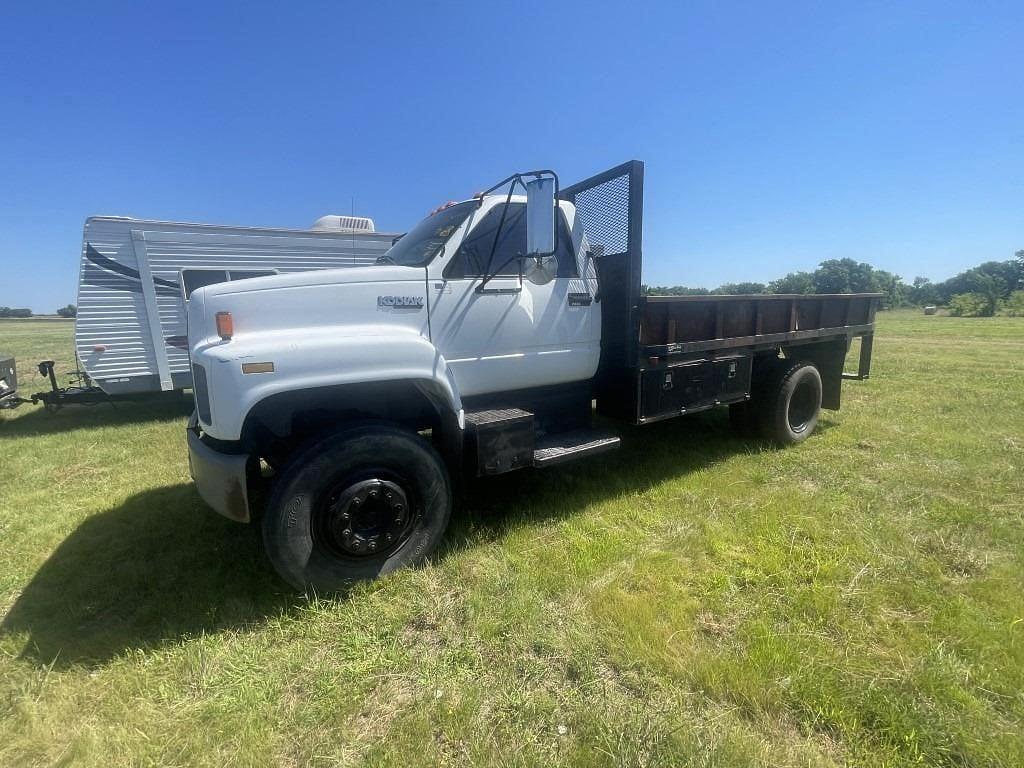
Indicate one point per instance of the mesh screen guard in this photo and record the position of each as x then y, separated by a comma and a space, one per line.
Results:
609, 207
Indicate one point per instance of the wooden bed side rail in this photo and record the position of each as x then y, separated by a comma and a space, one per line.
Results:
674, 320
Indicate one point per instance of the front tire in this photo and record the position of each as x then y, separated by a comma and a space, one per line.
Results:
356, 505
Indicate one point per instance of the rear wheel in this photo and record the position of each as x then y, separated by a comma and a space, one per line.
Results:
356, 505
790, 403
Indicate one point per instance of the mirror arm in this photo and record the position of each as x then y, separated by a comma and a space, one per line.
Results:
515, 178
497, 233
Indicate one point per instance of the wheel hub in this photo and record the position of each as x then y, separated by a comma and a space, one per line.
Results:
368, 518
802, 407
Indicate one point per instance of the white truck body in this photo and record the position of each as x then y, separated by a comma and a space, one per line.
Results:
352, 327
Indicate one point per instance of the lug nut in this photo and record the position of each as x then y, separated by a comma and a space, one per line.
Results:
398, 507
347, 532
373, 494
372, 546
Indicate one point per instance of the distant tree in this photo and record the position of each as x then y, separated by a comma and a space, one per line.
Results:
734, 289
794, 282
1014, 305
966, 282
992, 289
892, 286
969, 304
923, 292
69, 311
844, 276
672, 290
15, 312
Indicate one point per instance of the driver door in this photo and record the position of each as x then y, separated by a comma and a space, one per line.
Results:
512, 334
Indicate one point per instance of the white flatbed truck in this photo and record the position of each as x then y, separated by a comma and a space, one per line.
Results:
483, 342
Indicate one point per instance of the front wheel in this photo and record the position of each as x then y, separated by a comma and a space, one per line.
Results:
355, 505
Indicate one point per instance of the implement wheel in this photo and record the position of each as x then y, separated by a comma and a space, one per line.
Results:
355, 505
790, 403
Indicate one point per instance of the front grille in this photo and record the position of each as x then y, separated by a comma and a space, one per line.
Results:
201, 393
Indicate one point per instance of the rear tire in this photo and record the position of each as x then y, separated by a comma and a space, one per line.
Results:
790, 403
356, 505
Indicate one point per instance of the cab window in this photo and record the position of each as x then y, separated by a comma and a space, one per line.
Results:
473, 259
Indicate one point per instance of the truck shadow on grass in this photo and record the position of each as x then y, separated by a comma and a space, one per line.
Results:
161, 567
158, 568
649, 455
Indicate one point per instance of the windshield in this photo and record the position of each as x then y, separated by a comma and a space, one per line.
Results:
424, 241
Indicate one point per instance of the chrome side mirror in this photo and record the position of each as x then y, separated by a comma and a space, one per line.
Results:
540, 217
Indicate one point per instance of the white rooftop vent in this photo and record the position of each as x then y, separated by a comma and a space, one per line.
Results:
332, 223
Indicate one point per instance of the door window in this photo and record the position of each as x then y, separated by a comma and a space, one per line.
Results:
473, 259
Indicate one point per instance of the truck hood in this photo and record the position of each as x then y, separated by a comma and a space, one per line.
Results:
360, 301
379, 273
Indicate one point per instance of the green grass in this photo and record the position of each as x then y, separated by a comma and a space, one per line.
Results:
693, 599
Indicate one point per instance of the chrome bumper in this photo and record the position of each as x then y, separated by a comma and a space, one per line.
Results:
220, 478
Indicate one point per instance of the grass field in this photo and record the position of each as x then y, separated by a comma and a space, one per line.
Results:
693, 599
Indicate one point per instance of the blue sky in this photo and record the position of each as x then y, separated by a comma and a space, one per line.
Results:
775, 135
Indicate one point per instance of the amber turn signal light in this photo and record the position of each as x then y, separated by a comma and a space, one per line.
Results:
225, 325
257, 367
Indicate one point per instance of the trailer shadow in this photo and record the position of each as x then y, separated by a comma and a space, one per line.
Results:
39, 422
162, 567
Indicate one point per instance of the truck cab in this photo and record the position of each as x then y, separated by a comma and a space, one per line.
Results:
480, 343
448, 310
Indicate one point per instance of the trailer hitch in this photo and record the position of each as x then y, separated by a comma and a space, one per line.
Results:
46, 369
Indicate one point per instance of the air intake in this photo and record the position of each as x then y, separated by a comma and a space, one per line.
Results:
332, 223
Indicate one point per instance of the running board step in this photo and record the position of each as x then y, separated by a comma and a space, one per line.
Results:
555, 449
496, 417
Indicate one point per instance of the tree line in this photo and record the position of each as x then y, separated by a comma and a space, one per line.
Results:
68, 311
984, 290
